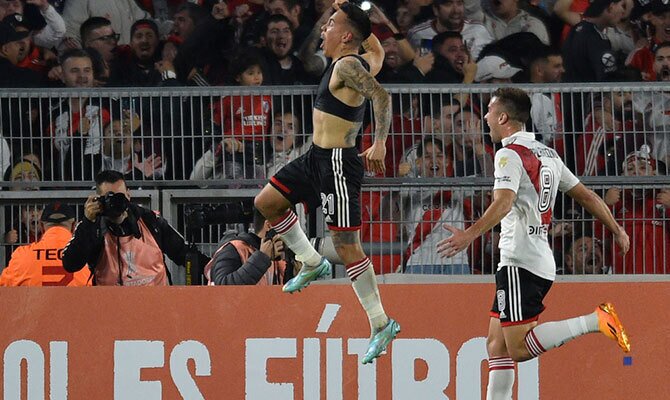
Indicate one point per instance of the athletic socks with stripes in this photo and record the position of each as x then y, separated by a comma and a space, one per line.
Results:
288, 229
553, 334
501, 378
362, 275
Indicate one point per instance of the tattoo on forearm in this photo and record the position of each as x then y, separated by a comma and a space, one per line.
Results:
343, 238
354, 76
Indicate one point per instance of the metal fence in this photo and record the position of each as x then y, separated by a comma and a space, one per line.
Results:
205, 146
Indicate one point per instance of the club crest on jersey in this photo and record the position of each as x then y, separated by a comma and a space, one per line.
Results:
500, 295
502, 162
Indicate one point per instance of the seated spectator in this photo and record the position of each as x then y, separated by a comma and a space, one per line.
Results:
121, 14
39, 263
49, 29
123, 244
256, 258
427, 210
288, 141
643, 213
131, 156
282, 67
452, 62
470, 154
78, 122
506, 18
643, 57
244, 121
28, 169
585, 256
450, 17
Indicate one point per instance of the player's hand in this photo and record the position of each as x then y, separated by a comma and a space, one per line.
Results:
374, 157
622, 240
92, 208
454, 244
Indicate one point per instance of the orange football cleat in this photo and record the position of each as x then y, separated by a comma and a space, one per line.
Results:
610, 326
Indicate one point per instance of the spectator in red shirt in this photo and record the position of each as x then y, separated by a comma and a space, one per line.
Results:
642, 58
643, 213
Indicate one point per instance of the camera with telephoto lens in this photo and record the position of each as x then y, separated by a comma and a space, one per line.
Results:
113, 204
234, 212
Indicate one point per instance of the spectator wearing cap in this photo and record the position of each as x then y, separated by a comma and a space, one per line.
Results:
12, 47
450, 17
137, 61
35, 58
453, 63
28, 169
505, 18
643, 57
643, 213
40, 263
495, 69
281, 66
121, 13
48, 32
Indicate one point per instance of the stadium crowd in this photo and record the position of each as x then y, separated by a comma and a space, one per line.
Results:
250, 134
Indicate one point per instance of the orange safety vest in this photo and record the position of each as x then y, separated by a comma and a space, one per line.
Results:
245, 251
40, 263
131, 261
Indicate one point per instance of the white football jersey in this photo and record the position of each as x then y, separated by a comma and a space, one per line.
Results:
535, 173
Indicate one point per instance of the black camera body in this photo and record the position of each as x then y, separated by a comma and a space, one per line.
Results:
113, 204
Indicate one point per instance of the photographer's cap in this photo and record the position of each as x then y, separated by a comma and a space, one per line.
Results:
57, 212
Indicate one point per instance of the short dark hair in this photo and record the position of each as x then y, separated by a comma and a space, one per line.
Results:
515, 102
661, 46
542, 54
245, 58
74, 53
358, 19
89, 25
273, 19
442, 37
425, 142
195, 12
108, 176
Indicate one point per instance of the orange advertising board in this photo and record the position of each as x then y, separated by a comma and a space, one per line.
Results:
261, 344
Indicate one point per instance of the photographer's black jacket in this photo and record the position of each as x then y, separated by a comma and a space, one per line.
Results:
229, 270
88, 239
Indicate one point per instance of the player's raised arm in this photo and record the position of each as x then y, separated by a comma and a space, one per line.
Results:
597, 207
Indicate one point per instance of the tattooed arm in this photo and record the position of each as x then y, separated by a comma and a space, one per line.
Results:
352, 74
374, 54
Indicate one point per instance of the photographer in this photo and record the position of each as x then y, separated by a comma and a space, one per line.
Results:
123, 243
251, 258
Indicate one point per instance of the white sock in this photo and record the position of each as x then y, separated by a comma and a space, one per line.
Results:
288, 229
362, 275
553, 334
501, 378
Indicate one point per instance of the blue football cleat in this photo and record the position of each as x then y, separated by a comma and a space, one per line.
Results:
380, 340
306, 276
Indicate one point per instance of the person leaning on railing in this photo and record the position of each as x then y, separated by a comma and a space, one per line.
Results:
124, 244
